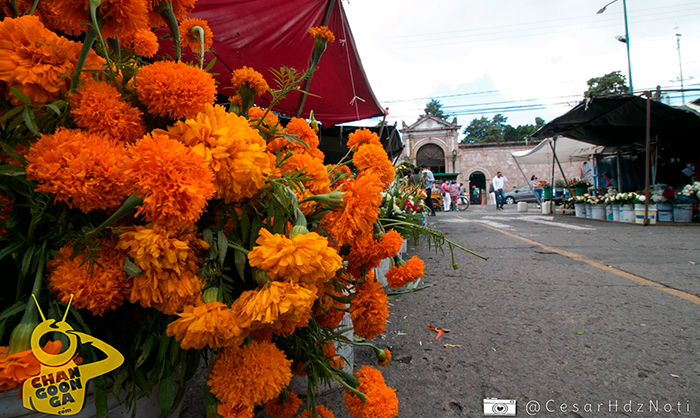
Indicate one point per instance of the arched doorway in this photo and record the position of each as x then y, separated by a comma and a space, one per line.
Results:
432, 156
477, 179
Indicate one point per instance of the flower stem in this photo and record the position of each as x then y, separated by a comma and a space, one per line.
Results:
168, 15
34, 5
200, 31
123, 210
89, 40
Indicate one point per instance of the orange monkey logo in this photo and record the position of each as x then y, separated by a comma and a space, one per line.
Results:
59, 389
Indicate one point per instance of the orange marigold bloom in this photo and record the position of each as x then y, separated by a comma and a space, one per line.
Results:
398, 276
319, 182
174, 182
81, 169
278, 306
370, 252
384, 357
37, 61
276, 408
17, 368
143, 42
247, 76
243, 377
362, 199
181, 8
391, 243
169, 260
369, 310
234, 151
227, 411
374, 159
304, 132
361, 137
380, 400
321, 410
209, 324
190, 37
324, 312
268, 126
330, 352
174, 89
100, 290
306, 258
99, 109
322, 32
121, 17
339, 175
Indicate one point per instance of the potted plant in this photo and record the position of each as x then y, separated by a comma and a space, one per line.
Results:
626, 201
579, 203
580, 186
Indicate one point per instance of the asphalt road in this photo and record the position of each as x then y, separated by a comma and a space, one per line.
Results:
568, 317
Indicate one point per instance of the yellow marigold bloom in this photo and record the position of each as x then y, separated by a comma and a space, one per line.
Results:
361, 137
37, 61
243, 377
234, 151
374, 159
143, 42
306, 258
380, 399
100, 290
398, 276
17, 368
174, 89
321, 410
247, 76
362, 199
277, 408
369, 309
276, 306
383, 357
322, 32
120, 16
210, 324
319, 182
190, 37
58, 163
98, 108
174, 182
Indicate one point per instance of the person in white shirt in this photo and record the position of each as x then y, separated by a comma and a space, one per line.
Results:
498, 184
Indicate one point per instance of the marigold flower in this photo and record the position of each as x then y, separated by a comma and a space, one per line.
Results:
369, 310
380, 400
174, 89
269, 125
247, 76
322, 32
174, 182
319, 182
17, 368
369, 253
362, 199
383, 357
143, 42
37, 61
99, 108
304, 132
234, 151
277, 408
398, 276
306, 258
210, 324
227, 411
278, 306
120, 17
374, 159
97, 288
243, 377
361, 137
58, 163
190, 37
325, 313
321, 410
330, 352
181, 9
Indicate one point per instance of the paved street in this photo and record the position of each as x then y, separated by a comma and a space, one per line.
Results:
579, 317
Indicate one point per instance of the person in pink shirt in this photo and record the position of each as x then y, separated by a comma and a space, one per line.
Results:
445, 189
454, 194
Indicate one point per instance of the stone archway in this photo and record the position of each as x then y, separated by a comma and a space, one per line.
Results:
478, 179
432, 156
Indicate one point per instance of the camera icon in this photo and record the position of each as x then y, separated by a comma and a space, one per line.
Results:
499, 407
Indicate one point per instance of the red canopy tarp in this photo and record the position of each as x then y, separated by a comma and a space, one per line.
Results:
265, 34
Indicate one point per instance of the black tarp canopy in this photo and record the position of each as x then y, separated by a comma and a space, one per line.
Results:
615, 121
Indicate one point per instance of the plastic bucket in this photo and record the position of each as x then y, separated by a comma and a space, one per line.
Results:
547, 208
627, 213
580, 191
665, 212
522, 206
588, 211
598, 212
580, 209
547, 193
639, 214
682, 213
616, 213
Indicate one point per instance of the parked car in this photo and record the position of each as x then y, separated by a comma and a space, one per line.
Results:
525, 194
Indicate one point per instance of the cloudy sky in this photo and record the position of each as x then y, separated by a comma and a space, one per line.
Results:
522, 58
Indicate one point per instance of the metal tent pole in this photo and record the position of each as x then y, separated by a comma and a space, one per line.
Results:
647, 192
532, 189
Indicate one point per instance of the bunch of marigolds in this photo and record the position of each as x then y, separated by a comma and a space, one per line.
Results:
183, 229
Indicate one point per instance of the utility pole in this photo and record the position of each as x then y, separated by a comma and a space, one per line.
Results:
680, 65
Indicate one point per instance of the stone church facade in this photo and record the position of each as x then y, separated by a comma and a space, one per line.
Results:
434, 142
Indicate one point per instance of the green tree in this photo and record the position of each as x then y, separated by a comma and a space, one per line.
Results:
496, 130
611, 83
434, 108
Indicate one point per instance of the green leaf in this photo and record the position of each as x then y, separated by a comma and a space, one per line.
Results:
222, 243
210, 64
119, 380
11, 170
20, 96
145, 350
131, 268
102, 409
13, 310
80, 320
155, 376
240, 259
11, 249
174, 351
10, 113
28, 117
166, 394
54, 108
191, 364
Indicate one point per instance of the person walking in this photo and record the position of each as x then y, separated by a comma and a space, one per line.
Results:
454, 194
446, 200
498, 183
415, 178
428, 180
